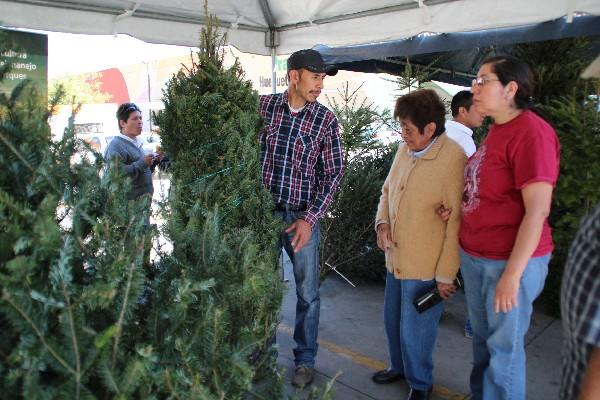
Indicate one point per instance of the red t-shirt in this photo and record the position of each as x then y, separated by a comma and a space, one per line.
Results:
522, 151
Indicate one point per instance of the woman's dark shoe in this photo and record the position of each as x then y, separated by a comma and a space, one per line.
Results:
419, 394
386, 376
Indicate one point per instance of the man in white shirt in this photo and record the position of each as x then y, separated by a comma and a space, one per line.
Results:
464, 119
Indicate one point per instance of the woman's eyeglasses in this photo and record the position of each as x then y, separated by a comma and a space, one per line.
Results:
481, 81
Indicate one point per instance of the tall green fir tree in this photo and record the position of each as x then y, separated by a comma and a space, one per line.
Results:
219, 289
70, 265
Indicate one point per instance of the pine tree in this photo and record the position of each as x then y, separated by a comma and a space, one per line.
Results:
219, 290
349, 241
70, 264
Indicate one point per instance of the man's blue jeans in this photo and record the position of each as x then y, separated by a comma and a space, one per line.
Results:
411, 336
499, 338
308, 304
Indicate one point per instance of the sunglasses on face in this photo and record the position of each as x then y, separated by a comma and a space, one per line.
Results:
132, 107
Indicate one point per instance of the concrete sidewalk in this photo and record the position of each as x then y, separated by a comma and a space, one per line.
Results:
352, 341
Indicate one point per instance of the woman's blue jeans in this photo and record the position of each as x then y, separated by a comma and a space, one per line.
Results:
306, 276
411, 336
499, 338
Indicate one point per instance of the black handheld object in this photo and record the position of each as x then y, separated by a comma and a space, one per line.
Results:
431, 298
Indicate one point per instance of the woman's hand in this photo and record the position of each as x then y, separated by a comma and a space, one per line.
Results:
443, 212
445, 289
384, 237
507, 290
537, 198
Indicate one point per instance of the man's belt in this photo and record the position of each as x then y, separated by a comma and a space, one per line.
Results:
290, 207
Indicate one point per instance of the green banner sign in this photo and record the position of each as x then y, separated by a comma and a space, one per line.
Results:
26, 56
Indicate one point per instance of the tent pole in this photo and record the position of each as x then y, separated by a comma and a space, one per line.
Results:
271, 40
273, 70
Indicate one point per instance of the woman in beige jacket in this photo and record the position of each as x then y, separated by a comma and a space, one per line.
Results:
421, 250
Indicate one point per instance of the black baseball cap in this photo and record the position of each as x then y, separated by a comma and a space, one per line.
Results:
310, 60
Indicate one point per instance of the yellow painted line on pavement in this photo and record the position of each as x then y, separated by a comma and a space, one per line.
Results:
371, 363
342, 351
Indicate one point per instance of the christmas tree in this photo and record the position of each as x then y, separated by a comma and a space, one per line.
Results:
70, 264
349, 242
219, 289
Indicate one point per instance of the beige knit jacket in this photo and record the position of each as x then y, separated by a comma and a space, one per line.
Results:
425, 247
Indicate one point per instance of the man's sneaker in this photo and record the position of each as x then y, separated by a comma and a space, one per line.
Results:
468, 329
303, 376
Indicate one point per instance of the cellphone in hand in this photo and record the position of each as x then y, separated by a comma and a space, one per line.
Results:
431, 298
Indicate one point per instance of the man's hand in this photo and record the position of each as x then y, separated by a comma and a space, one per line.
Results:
443, 212
445, 289
148, 159
384, 237
590, 385
302, 232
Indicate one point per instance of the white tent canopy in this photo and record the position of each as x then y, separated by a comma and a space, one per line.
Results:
282, 26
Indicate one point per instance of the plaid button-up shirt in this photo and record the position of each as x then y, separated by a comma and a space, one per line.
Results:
302, 157
580, 305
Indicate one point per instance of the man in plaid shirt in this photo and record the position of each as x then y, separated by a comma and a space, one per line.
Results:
580, 307
302, 165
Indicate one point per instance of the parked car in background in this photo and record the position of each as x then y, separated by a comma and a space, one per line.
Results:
97, 144
97, 141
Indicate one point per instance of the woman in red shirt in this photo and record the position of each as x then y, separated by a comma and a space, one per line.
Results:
505, 238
